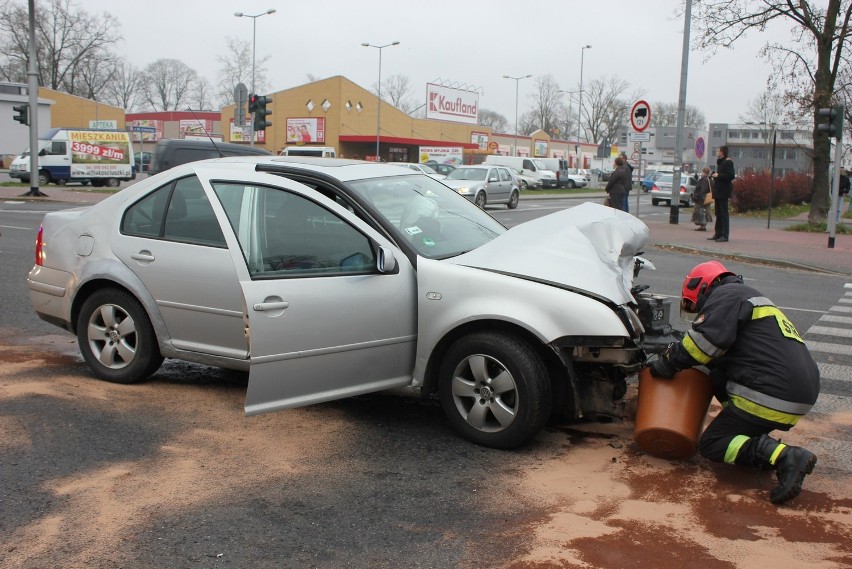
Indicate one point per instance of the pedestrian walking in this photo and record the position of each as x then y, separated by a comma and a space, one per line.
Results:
702, 197
761, 369
616, 186
723, 187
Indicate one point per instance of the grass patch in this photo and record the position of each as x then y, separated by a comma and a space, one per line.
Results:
14, 185
806, 227
785, 211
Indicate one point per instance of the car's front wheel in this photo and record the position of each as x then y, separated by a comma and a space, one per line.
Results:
513, 199
494, 389
43, 178
480, 200
116, 338
571, 184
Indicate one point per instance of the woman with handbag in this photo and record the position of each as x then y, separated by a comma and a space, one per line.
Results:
702, 197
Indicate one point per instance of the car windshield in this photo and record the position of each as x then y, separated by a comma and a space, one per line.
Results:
477, 174
435, 220
428, 169
540, 165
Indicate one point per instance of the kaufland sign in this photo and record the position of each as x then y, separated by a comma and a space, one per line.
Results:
448, 104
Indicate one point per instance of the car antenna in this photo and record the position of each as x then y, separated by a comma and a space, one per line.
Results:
205, 132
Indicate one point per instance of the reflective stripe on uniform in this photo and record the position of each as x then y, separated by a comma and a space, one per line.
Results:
764, 308
701, 350
767, 400
758, 410
776, 453
734, 448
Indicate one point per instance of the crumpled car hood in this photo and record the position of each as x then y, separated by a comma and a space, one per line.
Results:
590, 247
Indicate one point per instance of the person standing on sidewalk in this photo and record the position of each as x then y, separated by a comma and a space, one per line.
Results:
701, 213
723, 187
629, 167
762, 373
616, 186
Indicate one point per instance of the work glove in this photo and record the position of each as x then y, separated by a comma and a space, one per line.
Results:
662, 366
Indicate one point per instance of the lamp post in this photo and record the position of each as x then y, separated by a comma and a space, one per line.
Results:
580, 103
569, 93
379, 112
253, 45
517, 80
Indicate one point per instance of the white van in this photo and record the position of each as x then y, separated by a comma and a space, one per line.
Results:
565, 177
319, 151
97, 157
532, 167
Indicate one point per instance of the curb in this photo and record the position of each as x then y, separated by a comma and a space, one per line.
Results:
749, 259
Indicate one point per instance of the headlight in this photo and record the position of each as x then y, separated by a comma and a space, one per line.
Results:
463, 190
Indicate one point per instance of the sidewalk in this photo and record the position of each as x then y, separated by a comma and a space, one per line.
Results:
749, 241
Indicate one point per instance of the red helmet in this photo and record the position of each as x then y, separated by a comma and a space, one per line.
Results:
698, 281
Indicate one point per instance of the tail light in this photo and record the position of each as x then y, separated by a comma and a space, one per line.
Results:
39, 248
655, 188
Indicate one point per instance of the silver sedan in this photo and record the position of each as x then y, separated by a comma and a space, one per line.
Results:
328, 278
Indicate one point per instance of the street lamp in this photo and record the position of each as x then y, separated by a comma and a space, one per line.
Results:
253, 45
517, 80
379, 113
580, 104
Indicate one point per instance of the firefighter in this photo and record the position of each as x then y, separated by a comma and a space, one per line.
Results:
762, 374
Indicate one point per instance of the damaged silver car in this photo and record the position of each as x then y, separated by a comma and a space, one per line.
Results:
328, 278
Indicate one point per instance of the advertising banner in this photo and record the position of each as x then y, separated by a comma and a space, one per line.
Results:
480, 139
100, 154
243, 134
442, 154
198, 128
305, 130
540, 148
147, 136
448, 104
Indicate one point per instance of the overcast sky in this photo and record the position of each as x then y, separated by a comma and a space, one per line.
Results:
474, 42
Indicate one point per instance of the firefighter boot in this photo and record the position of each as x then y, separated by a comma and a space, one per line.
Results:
791, 465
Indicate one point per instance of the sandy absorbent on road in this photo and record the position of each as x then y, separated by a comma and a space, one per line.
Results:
593, 500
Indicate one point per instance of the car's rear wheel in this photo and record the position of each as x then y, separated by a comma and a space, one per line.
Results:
571, 184
494, 389
113, 182
524, 184
43, 178
480, 200
116, 338
513, 199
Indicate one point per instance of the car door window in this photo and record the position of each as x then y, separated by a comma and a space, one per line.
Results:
493, 176
504, 175
283, 234
179, 211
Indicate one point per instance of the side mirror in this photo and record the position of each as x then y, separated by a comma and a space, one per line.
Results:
385, 262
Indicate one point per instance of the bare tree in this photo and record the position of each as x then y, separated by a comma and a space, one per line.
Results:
808, 65
604, 108
90, 78
548, 109
201, 95
72, 45
236, 67
665, 114
123, 89
493, 119
396, 90
169, 84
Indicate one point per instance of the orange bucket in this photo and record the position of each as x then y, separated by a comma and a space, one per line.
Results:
671, 412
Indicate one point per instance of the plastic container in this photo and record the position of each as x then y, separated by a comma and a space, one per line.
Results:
671, 412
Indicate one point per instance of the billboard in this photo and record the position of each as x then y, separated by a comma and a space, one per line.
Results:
100, 154
147, 136
448, 104
305, 130
442, 154
195, 128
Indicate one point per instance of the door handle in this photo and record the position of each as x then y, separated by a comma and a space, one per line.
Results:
143, 256
265, 306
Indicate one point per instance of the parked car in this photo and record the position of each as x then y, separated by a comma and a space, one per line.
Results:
587, 175
440, 168
575, 179
605, 175
484, 184
172, 152
422, 168
661, 191
525, 182
327, 278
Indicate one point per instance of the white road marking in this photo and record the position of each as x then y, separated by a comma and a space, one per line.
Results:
836, 319
15, 227
826, 331
845, 309
839, 349
836, 372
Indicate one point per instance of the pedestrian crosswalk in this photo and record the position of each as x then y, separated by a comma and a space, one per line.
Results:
828, 342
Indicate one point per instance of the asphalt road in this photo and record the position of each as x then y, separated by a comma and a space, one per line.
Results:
170, 474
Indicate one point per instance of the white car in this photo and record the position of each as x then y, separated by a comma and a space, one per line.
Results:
422, 168
327, 278
484, 184
525, 182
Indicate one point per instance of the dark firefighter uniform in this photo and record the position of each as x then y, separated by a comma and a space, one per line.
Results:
762, 373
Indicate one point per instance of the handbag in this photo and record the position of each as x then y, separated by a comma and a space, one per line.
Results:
606, 200
708, 199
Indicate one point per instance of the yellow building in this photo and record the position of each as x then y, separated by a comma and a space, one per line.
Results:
71, 111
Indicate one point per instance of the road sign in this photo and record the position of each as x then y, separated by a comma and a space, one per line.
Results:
640, 116
699, 148
639, 136
143, 129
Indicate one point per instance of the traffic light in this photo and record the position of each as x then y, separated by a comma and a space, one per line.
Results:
261, 112
834, 125
23, 115
252, 103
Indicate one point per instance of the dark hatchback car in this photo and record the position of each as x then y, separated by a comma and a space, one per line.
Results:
174, 152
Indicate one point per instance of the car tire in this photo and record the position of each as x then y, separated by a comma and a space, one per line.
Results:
113, 182
480, 200
116, 337
43, 178
571, 184
524, 185
655, 201
513, 199
494, 389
